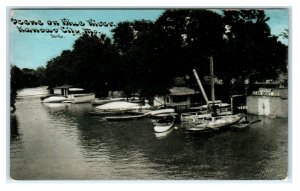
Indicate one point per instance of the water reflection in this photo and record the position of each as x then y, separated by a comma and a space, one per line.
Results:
61, 140
14, 129
164, 134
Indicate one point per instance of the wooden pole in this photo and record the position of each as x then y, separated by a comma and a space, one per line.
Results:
212, 83
200, 85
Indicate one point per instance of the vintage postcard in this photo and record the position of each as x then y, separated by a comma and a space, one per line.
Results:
149, 94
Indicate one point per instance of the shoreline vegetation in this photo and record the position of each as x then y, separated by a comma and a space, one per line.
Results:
144, 56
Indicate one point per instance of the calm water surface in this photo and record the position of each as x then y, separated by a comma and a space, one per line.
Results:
61, 141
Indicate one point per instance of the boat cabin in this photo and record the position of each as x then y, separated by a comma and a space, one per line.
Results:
67, 90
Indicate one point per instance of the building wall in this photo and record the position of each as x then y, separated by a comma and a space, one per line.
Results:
273, 106
186, 102
169, 101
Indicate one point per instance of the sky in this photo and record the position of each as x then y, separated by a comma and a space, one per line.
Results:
31, 50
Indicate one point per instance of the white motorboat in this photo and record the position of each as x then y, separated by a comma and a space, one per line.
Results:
67, 94
54, 99
164, 123
161, 111
122, 106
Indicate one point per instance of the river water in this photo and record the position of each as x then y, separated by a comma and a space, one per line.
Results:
62, 142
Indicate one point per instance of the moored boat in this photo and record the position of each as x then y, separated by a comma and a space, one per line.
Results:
163, 135
126, 116
242, 125
122, 106
54, 99
81, 98
164, 123
161, 111
68, 94
214, 123
105, 101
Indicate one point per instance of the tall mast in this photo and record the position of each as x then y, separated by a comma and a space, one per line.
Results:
201, 87
212, 83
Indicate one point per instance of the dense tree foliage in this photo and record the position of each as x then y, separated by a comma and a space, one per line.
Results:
250, 46
24, 78
92, 64
144, 56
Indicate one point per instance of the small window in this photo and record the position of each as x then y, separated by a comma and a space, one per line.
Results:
177, 99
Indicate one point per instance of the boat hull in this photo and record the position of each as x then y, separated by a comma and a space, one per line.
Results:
82, 98
126, 117
162, 129
215, 124
54, 99
164, 123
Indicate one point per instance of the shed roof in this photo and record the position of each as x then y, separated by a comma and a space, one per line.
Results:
178, 91
63, 87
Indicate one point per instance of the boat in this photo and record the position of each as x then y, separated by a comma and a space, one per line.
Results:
243, 125
214, 123
163, 135
221, 109
105, 101
164, 123
81, 98
54, 99
189, 116
68, 94
212, 120
161, 111
105, 113
127, 116
122, 106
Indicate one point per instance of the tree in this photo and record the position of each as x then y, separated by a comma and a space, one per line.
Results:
134, 41
188, 38
60, 70
250, 46
16, 83
96, 64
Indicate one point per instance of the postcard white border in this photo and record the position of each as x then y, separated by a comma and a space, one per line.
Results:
291, 184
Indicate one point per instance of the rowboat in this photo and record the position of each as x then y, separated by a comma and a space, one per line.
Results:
162, 135
243, 125
164, 123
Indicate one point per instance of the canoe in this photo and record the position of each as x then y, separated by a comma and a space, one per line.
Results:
244, 125
240, 126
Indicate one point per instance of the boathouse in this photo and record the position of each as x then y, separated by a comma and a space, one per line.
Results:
271, 102
178, 97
